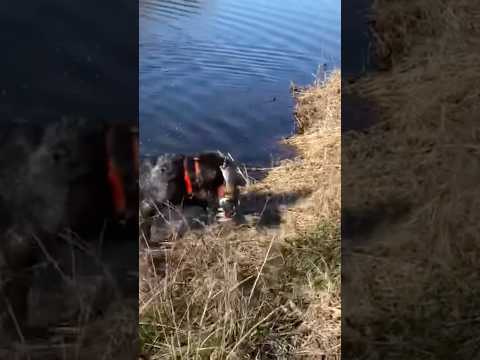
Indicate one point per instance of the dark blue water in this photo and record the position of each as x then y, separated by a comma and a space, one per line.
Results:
356, 57
215, 74
69, 58
357, 112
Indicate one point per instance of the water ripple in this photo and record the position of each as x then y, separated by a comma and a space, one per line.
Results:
215, 74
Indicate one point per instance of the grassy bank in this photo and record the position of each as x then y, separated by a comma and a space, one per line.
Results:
411, 285
268, 289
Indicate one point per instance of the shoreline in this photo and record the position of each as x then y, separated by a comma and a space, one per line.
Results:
282, 269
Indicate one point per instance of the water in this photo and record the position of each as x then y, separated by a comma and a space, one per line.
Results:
216, 74
69, 58
356, 59
357, 112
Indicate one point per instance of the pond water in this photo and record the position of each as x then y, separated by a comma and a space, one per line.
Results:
357, 112
215, 74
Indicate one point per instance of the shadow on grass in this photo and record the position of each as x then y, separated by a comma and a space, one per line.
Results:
266, 209
257, 209
260, 209
359, 224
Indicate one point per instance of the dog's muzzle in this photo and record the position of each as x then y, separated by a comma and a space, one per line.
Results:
228, 209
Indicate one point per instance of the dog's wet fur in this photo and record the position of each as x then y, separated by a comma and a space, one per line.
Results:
162, 185
55, 182
163, 181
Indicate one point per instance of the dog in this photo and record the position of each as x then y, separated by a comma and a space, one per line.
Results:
209, 180
68, 176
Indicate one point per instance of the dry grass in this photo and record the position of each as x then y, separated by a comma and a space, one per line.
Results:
254, 291
317, 169
426, 137
83, 316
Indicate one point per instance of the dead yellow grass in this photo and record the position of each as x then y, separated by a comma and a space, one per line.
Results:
254, 292
426, 136
316, 170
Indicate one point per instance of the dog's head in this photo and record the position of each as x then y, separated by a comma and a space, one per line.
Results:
161, 180
58, 178
233, 179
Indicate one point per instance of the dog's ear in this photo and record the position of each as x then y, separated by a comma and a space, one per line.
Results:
178, 164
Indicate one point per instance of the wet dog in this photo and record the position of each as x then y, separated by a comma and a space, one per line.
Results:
208, 180
67, 177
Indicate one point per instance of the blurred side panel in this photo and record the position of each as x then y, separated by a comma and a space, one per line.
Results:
68, 174
410, 175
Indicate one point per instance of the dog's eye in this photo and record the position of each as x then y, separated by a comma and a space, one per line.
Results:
163, 169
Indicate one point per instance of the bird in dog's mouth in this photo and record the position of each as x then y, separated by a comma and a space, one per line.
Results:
229, 202
210, 180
